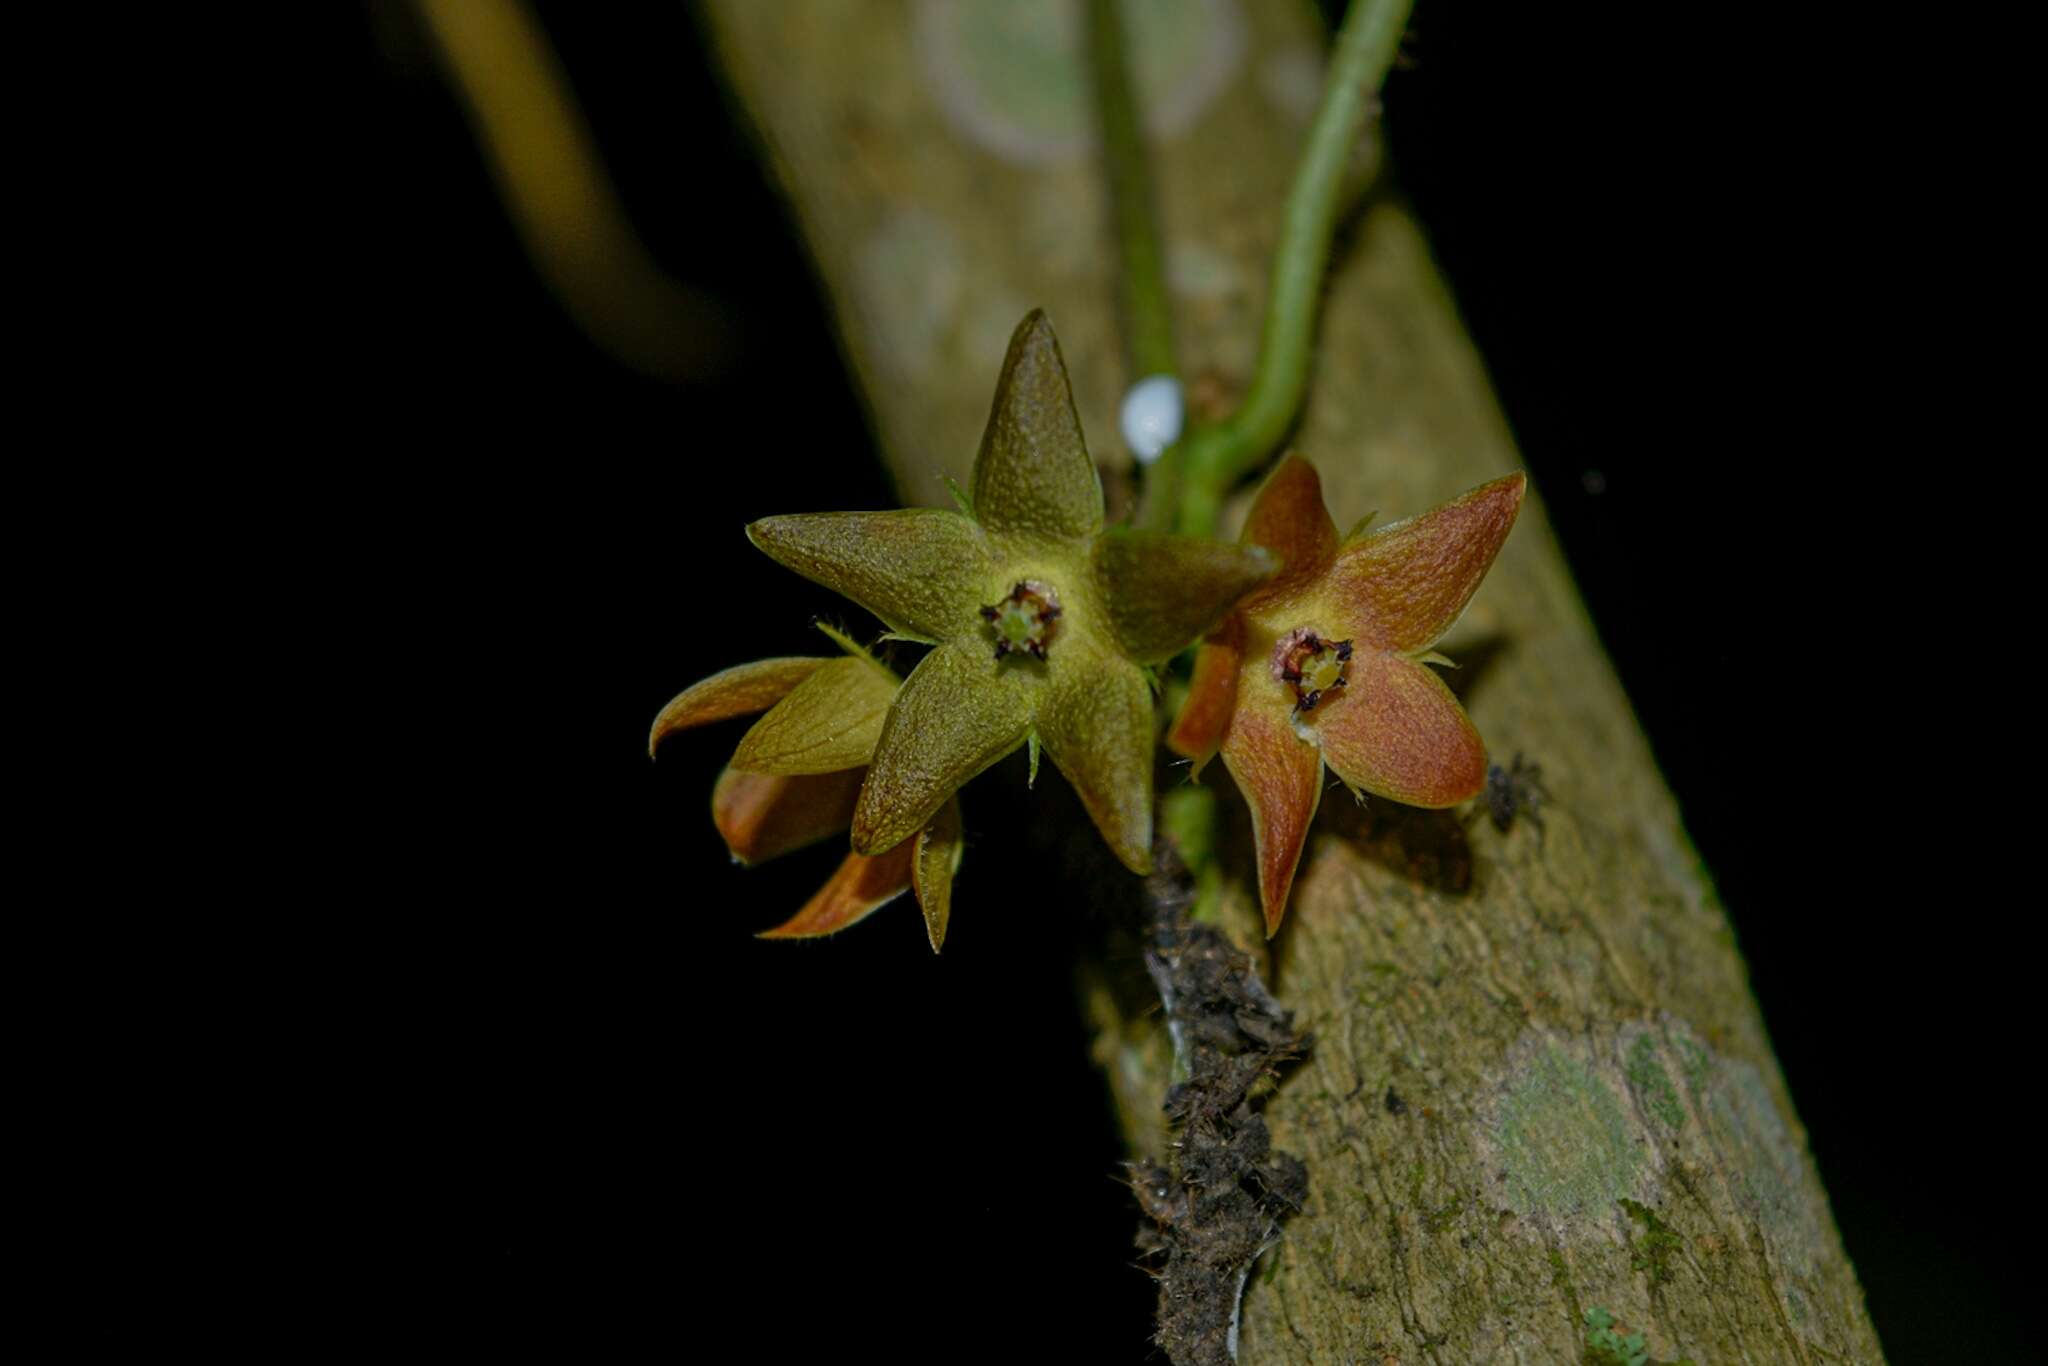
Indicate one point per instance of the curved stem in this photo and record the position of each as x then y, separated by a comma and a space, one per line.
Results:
1216, 457
559, 196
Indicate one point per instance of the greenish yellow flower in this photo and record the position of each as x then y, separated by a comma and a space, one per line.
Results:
1042, 621
796, 776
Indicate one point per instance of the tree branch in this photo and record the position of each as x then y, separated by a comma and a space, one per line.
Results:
1541, 1087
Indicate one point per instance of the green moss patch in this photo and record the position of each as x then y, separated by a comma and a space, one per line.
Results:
1563, 1138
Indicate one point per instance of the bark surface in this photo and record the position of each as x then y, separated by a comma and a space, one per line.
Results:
1540, 1091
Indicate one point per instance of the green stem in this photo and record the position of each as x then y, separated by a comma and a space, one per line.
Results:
1148, 318
1148, 314
1217, 457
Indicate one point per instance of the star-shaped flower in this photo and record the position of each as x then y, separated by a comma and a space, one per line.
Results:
1326, 664
797, 773
1040, 619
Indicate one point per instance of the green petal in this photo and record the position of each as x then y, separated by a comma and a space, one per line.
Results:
1033, 475
1166, 592
829, 722
937, 859
1097, 726
959, 712
921, 570
739, 691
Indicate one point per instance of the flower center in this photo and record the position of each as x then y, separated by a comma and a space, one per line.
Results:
1311, 665
1025, 621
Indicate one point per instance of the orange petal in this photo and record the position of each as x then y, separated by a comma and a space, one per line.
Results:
762, 816
1281, 777
1289, 519
861, 885
1396, 731
739, 691
1212, 694
1403, 586
938, 858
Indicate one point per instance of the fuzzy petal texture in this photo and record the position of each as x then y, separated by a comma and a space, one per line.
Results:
1097, 726
1033, 476
1398, 732
958, 712
1403, 586
931, 871
762, 817
739, 691
1288, 518
1212, 696
860, 887
918, 569
1384, 723
829, 722
1165, 592
1281, 777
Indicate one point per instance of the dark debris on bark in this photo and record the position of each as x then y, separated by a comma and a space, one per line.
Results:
1221, 1201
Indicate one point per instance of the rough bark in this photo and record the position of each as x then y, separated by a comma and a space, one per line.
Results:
1540, 1087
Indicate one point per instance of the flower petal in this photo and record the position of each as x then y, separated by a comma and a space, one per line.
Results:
861, 886
921, 570
932, 869
1281, 777
1212, 695
1033, 474
739, 691
1288, 517
959, 711
1165, 592
829, 722
762, 816
1097, 726
1404, 585
1399, 733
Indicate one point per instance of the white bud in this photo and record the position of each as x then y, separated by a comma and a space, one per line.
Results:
1152, 416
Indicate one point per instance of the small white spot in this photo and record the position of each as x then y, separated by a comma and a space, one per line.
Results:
1152, 415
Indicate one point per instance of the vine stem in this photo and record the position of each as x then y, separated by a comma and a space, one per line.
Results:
1216, 457
555, 187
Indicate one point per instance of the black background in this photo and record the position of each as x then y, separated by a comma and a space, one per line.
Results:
538, 1082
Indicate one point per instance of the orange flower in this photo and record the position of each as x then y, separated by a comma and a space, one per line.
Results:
1328, 664
796, 776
